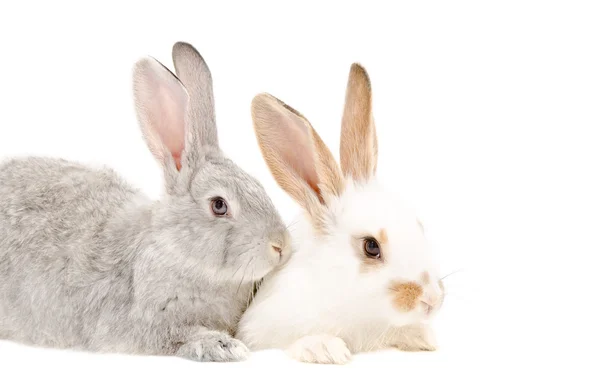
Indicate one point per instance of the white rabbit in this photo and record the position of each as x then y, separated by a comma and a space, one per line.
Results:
361, 277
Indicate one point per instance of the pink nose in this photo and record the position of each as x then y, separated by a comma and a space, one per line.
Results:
277, 249
431, 301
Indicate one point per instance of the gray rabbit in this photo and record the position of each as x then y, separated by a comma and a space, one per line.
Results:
87, 262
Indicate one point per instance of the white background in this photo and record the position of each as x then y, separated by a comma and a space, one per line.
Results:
488, 120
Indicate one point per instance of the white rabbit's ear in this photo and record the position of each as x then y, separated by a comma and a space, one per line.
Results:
196, 77
358, 144
161, 103
296, 156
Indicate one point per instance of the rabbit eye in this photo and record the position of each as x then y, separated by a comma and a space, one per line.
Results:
371, 248
219, 207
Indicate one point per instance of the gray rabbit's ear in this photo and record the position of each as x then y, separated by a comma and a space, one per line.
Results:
161, 104
196, 77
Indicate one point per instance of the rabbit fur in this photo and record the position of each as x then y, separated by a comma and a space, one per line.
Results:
362, 277
88, 262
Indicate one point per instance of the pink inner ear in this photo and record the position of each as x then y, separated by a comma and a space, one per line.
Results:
177, 161
164, 103
172, 124
296, 147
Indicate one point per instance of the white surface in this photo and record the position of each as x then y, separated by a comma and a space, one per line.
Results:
488, 119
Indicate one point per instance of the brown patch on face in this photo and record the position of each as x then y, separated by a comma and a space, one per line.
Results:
406, 295
425, 278
382, 238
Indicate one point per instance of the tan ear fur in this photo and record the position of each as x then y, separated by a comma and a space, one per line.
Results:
296, 156
358, 144
332, 181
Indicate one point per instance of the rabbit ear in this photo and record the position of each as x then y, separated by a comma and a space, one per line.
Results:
296, 156
358, 144
161, 103
196, 77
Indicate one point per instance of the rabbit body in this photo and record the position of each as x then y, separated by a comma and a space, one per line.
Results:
70, 256
88, 262
362, 277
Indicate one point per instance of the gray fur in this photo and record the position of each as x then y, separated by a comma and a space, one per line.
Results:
88, 262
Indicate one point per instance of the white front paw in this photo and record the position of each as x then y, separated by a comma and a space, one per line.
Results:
415, 338
320, 349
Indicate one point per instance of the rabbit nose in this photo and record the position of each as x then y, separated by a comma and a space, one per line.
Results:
277, 248
431, 301
428, 304
280, 247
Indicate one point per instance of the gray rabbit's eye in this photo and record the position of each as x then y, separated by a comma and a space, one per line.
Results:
219, 206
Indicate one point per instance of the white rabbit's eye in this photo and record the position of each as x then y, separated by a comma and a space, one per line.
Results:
371, 248
219, 206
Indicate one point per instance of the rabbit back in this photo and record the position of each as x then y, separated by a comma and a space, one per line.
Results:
55, 263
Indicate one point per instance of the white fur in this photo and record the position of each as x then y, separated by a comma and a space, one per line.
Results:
321, 292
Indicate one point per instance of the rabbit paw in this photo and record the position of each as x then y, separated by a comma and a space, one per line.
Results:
321, 349
415, 338
214, 346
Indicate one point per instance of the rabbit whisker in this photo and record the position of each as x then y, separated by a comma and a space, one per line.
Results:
291, 224
242, 279
236, 270
449, 274
251, 295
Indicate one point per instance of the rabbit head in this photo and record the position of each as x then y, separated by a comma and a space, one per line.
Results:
361, 264
212, 212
